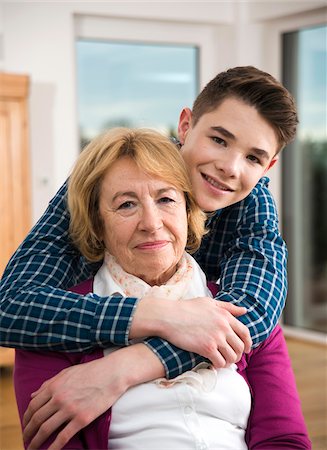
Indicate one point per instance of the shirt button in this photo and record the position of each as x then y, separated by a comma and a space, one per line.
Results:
188, 410
201, 446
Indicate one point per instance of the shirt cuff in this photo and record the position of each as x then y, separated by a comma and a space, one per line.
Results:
174, 360
112, 320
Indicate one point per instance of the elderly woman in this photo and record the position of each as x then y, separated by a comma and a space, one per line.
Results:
131, 206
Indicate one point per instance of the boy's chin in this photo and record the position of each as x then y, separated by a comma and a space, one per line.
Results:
212, 205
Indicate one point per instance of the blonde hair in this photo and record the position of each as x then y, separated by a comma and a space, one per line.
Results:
154, 153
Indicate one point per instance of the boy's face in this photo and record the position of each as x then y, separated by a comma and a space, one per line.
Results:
226, 152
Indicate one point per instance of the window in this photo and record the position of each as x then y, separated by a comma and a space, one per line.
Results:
133, 84
305, 179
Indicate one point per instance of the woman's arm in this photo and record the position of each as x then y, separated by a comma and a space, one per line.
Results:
276, 420
70, 400
71, 391
31, 370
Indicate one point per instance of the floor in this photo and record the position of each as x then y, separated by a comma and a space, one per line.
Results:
310, 367
10, 433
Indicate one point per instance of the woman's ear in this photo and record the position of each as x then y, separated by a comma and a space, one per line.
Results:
184, 124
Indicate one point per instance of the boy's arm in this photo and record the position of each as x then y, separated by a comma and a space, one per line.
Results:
37, 311
252, 257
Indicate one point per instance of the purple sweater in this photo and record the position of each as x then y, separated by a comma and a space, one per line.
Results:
276, 420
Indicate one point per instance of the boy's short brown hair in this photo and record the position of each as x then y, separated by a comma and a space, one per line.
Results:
255, 88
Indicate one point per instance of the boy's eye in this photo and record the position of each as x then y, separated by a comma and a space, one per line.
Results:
254, 159
219, 140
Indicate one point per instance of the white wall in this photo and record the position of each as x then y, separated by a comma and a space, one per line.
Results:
37, 38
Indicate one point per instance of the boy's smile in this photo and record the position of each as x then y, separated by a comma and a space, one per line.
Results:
226, 152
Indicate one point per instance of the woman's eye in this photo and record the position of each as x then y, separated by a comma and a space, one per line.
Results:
166, 200
126, 205
219, 140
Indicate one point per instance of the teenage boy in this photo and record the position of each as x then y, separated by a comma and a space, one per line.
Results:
233, 135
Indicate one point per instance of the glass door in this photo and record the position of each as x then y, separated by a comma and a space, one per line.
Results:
305, 180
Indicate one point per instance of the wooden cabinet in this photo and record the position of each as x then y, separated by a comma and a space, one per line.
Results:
15, 195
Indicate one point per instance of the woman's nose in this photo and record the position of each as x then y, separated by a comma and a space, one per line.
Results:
150, 219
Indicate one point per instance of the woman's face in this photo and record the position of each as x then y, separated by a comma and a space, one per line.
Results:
145, 222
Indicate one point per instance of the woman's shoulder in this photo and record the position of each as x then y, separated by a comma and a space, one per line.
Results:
84, 287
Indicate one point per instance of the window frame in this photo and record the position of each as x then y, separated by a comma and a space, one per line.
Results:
274, 31
202, 36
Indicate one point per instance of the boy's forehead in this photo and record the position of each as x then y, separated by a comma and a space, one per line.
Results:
227, 106
236, 120
233, 112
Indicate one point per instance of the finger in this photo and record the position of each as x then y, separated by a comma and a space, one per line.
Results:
46, 429
35, 404
227, 354
236, 343
233, 309
243, 333
217, 359
42, 387
40, 416
65, 435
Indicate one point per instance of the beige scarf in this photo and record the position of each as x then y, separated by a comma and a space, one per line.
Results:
175, 288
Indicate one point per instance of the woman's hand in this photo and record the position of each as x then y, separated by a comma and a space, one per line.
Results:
201, 325
78, 395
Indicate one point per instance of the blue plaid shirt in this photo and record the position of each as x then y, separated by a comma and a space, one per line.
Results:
243, 249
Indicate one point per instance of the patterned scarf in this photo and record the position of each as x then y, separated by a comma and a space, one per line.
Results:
175, 289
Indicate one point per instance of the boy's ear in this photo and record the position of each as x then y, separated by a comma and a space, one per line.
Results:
184, 124
272, 163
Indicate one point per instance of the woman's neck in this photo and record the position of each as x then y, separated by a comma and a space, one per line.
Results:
159, 280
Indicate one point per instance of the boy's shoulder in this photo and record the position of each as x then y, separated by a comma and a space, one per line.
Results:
260, 190
258, 197
258, 206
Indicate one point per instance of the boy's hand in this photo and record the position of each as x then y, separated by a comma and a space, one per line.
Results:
202, 325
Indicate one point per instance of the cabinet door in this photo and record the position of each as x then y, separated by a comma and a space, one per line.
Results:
14, 166
6, 229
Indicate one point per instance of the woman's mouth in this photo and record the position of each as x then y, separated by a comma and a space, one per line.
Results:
151, 245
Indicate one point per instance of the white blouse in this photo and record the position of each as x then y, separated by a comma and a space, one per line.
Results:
212, 414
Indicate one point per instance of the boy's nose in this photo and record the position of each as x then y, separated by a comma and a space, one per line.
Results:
229, 164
